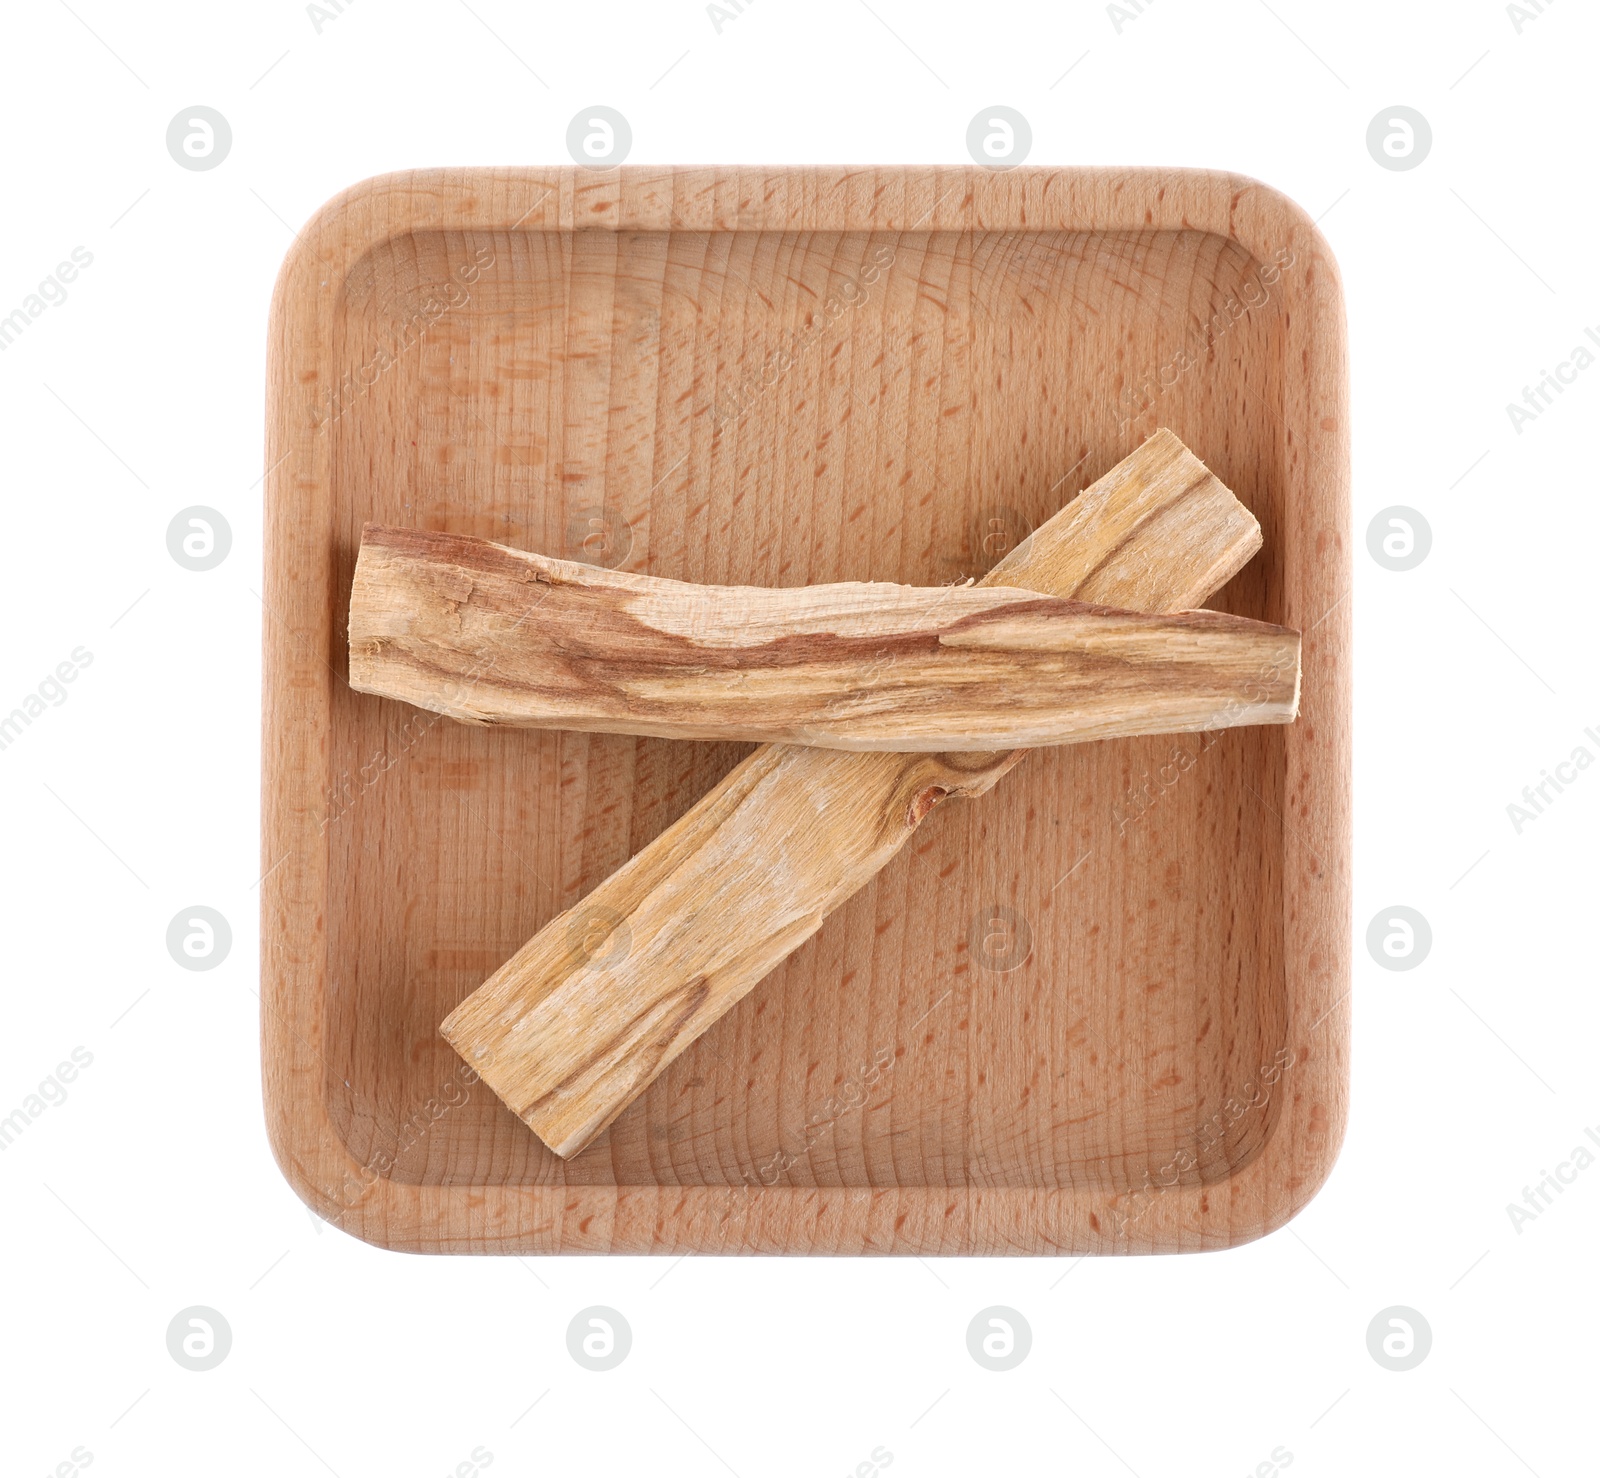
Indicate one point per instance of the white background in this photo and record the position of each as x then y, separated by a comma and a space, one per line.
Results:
151, 1187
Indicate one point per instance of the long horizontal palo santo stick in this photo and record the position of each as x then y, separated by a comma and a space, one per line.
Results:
488, 634
582, 1018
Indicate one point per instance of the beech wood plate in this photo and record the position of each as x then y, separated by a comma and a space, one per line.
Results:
1103, 1009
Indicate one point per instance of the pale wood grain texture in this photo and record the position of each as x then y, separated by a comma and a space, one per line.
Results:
449, 351
592, 1009
487, 634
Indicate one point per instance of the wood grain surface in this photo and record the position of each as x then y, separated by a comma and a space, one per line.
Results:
1103, 1011
487, 634
592, 1009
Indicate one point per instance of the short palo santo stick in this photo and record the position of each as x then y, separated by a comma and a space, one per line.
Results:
587, 1013
488, 634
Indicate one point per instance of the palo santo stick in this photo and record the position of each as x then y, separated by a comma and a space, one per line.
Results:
586, 1014
488, 634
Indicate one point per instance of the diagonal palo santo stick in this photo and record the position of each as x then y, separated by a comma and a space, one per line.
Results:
492, 635
586, 1014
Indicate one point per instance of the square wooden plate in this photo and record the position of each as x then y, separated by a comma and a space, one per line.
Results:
1103, 1009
